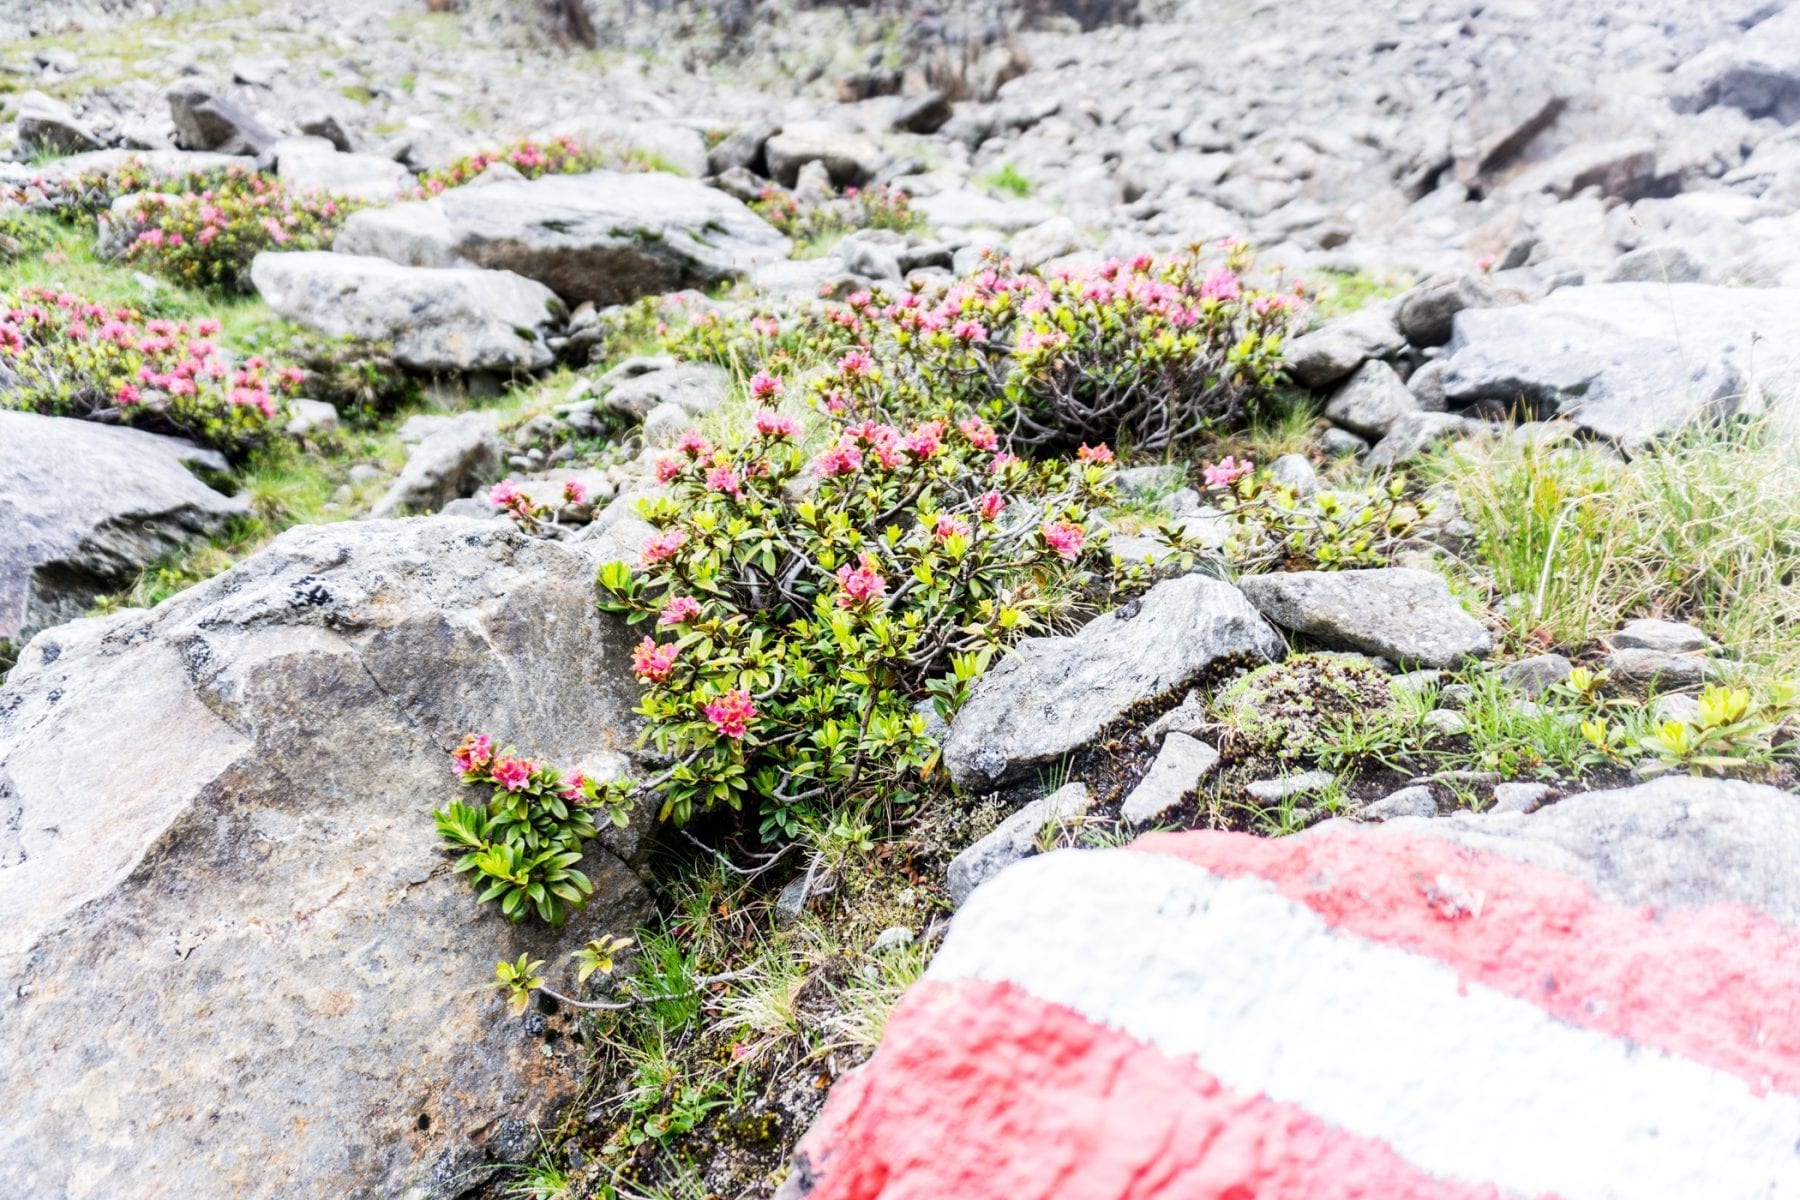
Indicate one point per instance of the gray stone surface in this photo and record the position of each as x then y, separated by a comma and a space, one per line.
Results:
1335, 349
696, 388
1415, 801
850, 158
1014, 839
242, 957
1273, 791
450, 462
313, 164
1425, 315
206, 119
1404, 615
1519, 797
49, 126
1370, 401
1657, 669
1678, 842
437, 319
1180, 765
1536, 675
1757, 71
1052, 695
606, 237
85, 507
1413, 433
1671, 637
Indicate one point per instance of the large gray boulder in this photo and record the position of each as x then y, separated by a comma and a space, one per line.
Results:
1052, 695
1370, 401
313, 164
1630, 362
234, 958
84, 508
1758, 72
49, 126
1404, 615
206, 119
849, 158
436, 319
1676, 842
606, 237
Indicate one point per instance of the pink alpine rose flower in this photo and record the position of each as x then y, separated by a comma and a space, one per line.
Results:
679, 611
991, 505
948, 527
511, 773
693, 445
1226, 471
661, 546
732, 713
772, 424
725, 480
862, 584
505, 494
653, 663
765, 386
574, 492
1099, 455
476, 751
667, 469
1065, 537
980, 434
573, 787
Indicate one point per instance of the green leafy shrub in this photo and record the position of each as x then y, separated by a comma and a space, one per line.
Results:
361, 379
20, 237
1149, 353
1008, 179
877, 207
805, 604
532, 159
80, 197
69, 357
207, 235
1731, 734
1278, 528
521, 846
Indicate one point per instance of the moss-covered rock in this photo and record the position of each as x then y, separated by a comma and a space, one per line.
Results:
1290, 708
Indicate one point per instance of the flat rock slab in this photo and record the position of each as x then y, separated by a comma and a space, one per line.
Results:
437, 319
606, 236
1015, 838
1404, 615
1147, 1021
1052, 695
1178, 769
85, 507
234, 959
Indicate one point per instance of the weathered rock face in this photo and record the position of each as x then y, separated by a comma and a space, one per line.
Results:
1405, 615
436, 319
606, 236
313, 164
1193, 968
234, 960
206, 120
448, 463
1758, 72
849, 158
1052, 695
47, 125
1621, 360
85, 507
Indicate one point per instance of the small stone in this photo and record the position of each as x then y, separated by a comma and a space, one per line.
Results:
1447, 722
1180, 765
1295, 471
1341, 443
1415, 801
1014, 839
1536, 675
1677, 706
1519, 797
1291, 785
1371, 401
895, 937
1670, 637
1639, 669
1456, 695
1416, 682
311, 416
1187, 717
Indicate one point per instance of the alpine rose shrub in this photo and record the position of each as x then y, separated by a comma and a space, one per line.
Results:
806, 601
521, 845
207, 235
1149, 353
878, 207
70, 357
532, 159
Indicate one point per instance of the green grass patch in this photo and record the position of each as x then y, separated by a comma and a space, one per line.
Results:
1339, 293
1009, 180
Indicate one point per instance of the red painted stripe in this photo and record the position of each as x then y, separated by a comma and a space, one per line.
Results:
981, 1090
1719, 986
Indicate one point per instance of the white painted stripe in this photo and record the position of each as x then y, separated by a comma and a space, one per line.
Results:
1466, 1083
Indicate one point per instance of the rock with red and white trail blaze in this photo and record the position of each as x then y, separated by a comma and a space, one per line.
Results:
1594, 1002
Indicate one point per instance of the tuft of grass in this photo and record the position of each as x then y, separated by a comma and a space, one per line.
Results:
1339, 293
1008, 179
1704, 528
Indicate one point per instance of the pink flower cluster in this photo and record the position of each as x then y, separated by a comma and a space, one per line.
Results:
732, 713
1226, 471
662, 546
862, 585
653, 663
1065, 538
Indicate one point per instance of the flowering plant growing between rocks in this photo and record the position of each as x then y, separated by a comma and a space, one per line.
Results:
521, 846
66, 356
877, 207
533, 159
1277, 527
206, 235
806, 599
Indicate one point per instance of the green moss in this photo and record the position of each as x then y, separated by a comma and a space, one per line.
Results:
1008, 179
1337, 293
1289, 708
